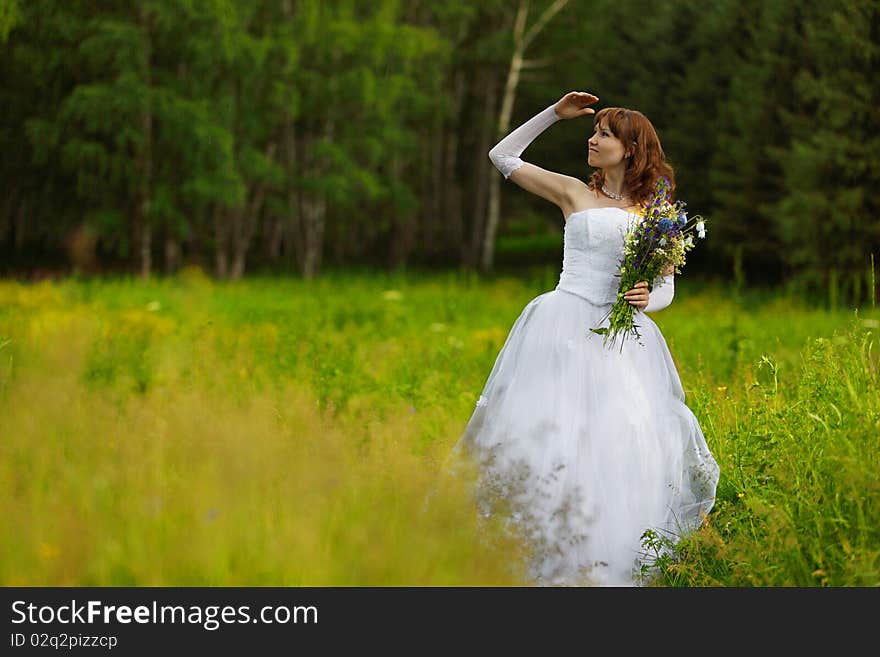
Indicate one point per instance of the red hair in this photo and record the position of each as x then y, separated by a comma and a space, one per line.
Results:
646, 163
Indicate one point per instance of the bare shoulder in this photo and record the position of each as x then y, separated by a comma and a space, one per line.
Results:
582, 197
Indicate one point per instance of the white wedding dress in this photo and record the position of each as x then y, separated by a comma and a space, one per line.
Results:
581, 446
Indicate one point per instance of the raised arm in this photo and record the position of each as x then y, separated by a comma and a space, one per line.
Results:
505, 155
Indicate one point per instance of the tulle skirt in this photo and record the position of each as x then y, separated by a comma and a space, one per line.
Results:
583, 447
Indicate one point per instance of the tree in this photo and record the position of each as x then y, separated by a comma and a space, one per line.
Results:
522, 39
365, 91
10, 14
827, 218
36, 214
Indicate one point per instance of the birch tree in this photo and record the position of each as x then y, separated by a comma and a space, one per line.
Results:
522, 39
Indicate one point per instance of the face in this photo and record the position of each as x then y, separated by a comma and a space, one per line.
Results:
605, 150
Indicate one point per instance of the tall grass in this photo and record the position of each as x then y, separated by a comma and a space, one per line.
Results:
276, 432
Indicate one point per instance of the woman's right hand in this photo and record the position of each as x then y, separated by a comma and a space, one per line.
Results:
574, 104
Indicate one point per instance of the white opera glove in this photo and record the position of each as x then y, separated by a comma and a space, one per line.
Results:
661, 295
505, 154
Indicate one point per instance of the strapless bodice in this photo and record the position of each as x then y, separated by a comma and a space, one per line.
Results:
593, 243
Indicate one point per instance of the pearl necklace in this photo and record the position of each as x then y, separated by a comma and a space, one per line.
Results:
616, 197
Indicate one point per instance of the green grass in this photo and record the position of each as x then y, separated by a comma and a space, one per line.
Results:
290, 432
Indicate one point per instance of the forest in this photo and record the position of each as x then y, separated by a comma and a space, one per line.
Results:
296, 136
256, 269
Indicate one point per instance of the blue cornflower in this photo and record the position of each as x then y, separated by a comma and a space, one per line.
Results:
665, 224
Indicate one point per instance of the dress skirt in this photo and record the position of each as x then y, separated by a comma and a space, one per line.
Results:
584, 447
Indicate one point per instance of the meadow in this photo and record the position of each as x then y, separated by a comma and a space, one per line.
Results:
283, 432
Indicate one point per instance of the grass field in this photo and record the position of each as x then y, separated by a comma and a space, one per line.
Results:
285, 432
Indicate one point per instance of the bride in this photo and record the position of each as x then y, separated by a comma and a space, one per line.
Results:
582, 448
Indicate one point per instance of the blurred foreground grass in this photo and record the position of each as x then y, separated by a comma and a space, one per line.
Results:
289, 432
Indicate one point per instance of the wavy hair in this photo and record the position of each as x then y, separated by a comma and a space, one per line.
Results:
647, 162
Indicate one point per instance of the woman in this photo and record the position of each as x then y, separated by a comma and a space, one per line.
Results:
584, 447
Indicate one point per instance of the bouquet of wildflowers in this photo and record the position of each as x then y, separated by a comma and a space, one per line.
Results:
659, 239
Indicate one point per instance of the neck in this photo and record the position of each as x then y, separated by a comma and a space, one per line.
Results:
614, 180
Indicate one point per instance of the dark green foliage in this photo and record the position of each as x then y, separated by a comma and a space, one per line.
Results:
224, 131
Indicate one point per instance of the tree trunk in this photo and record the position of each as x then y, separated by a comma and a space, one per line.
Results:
521, 41
308, 209
485, 171
432, 235
144, 233
402, 225
221, 240
487, 258
245, 223
452, 214
172, 254
313, 210
172, 240
291, 232
273, 238
239, 251
313, 217
146, 242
